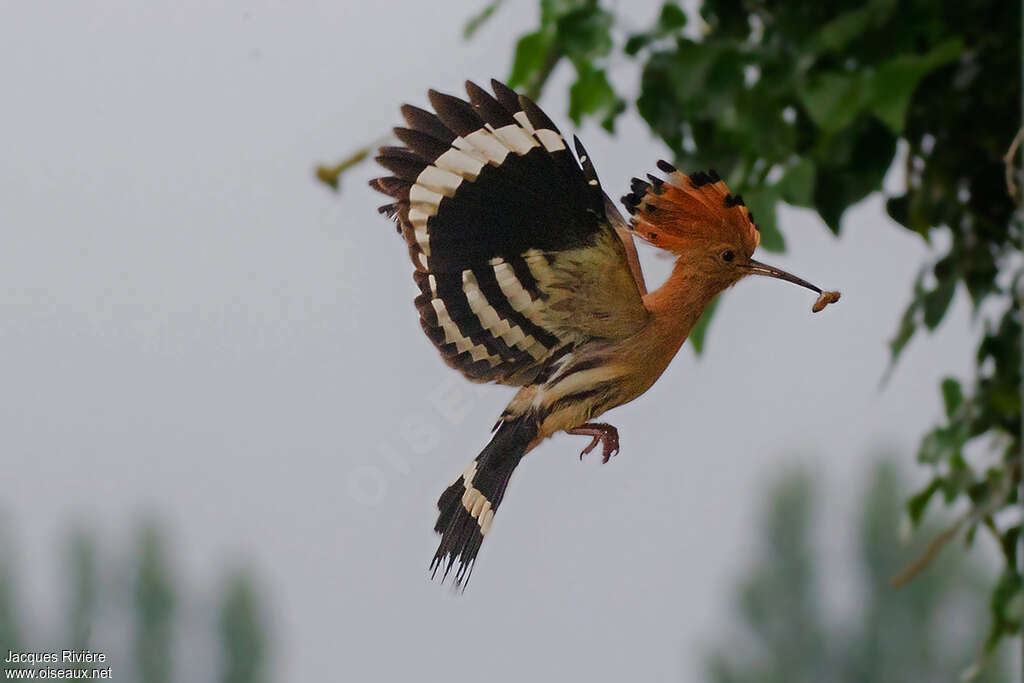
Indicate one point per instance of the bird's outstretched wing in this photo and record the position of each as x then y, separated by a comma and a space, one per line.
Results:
515, 257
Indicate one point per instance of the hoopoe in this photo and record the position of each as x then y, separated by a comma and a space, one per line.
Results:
529, 276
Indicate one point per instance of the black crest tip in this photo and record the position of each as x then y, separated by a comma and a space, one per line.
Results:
666, 167
639, 187
733, 200
657, 183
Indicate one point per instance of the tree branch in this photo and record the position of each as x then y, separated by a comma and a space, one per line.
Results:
974, 515
1011, 186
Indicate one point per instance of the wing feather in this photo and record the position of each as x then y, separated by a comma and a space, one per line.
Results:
516, 259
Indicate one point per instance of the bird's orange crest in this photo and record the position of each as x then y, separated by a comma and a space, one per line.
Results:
686, 211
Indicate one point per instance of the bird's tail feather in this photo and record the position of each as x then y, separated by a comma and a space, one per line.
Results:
468, 506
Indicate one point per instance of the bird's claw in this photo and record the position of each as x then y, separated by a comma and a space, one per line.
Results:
604, 434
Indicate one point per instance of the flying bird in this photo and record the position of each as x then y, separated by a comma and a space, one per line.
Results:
529, 276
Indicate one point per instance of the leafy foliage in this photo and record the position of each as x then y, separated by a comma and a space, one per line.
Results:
806, 104
992, 414
890, 636
581, 33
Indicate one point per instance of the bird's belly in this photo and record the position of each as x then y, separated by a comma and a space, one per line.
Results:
584, 386
568, 401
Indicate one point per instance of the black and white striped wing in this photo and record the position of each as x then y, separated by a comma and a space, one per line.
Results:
514, 256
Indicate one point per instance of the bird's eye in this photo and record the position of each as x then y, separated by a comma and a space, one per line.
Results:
728, 255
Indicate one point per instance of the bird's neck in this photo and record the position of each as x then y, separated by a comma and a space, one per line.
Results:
676, 306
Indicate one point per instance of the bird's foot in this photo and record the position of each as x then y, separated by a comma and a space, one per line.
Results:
604, 434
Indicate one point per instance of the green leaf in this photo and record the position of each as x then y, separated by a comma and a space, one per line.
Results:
635, 43
904, 333
762, 204
908, 323
1010, 541
1006, 400
592, 95
893, 83
796, 187
936, 302
909, 210
952, 395
850, 165
672, 17
531, 54
1005, 607
700, 330
919, 501
331, 175
933, 449
476, 21
688, 68
608, 120
551, 10
833, 99
836, 34
898, 209
584, 34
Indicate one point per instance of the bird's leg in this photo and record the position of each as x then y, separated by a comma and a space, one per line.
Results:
604, 434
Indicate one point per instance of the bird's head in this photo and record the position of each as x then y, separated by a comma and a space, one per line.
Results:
709, 229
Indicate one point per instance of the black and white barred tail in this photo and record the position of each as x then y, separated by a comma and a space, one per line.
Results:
467, 507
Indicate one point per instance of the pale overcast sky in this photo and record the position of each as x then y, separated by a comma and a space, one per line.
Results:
192, 327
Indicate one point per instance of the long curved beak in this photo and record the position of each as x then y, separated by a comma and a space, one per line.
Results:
758, 268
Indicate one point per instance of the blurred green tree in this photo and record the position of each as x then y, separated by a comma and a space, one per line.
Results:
10, 626
928, 631
243, 640
153, 613
81, 563
154, 610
